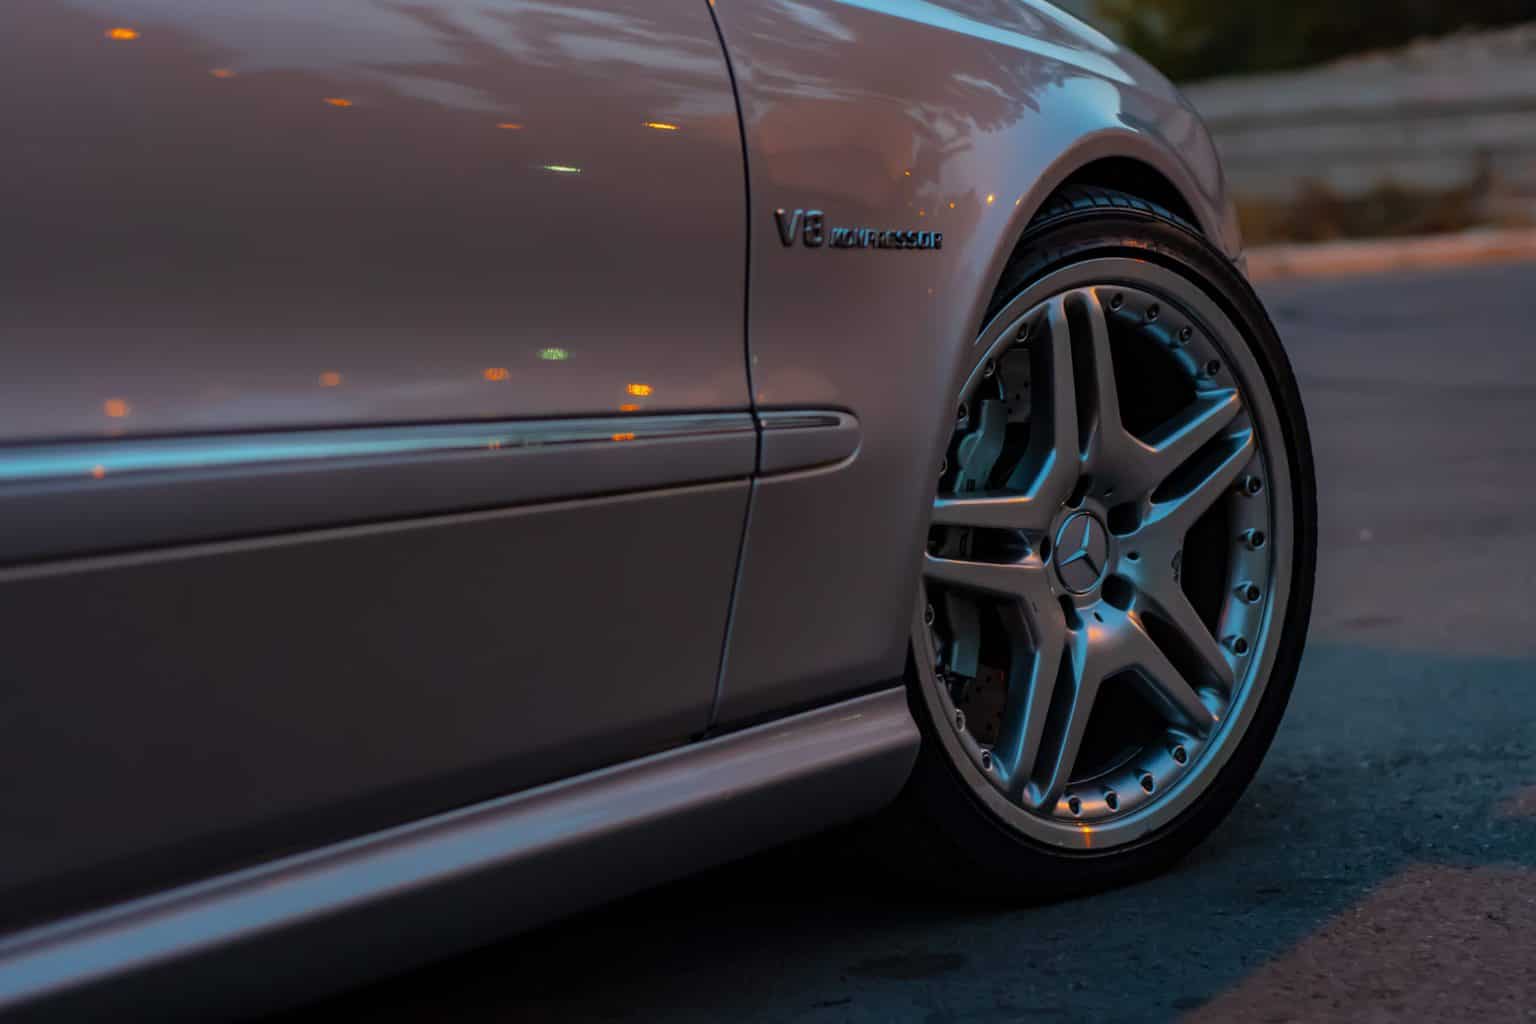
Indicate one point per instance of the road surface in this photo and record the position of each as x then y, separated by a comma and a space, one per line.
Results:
1382, 866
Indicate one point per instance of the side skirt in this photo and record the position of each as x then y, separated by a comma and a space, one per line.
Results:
301, 927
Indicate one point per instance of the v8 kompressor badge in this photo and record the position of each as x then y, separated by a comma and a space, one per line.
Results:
810, 226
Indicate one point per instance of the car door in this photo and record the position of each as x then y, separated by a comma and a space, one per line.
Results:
374, 416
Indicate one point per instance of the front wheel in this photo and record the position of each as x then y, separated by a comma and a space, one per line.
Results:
1119, 571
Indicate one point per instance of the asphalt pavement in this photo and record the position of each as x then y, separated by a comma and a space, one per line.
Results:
1381, 867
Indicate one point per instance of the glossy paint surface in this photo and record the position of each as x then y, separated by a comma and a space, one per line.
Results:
229, 216
182, 712
961, 117
387, 237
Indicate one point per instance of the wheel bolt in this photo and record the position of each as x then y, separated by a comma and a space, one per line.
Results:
1117, 301
960, 721
1024, 333
1074, 805
963, 414
1255, 539
1153, 312
1251, 486
1179, 753
1250, 592
1237, 645
1147, 782
1185, 334
1112, 799
928, 615
989, 369
1213, 367
986, 760
944, 465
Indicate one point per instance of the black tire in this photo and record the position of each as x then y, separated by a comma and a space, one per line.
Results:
944, 833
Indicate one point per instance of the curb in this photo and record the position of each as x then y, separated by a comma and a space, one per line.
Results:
1431, 252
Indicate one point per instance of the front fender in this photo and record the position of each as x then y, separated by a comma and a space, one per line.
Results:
955, 117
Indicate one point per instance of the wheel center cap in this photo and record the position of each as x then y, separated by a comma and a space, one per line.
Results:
1082, 552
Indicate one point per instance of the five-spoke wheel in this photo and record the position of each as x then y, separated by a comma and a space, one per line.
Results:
1107, 545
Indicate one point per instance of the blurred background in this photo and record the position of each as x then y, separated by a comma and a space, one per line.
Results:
1371, 118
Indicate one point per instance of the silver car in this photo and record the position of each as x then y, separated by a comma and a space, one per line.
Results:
469, 459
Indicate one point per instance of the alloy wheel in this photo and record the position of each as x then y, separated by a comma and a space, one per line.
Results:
1108, 562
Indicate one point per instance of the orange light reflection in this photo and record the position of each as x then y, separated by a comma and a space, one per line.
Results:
640, 390
116, 408
330, 379
623, 437
337, 101
496, 373
122, 33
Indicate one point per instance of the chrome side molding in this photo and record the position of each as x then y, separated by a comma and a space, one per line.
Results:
63, 500
80, 498
805, 440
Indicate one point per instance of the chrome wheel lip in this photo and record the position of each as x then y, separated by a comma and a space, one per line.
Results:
1206, 759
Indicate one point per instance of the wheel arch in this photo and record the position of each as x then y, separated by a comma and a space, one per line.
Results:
1135, 178
1186, 179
